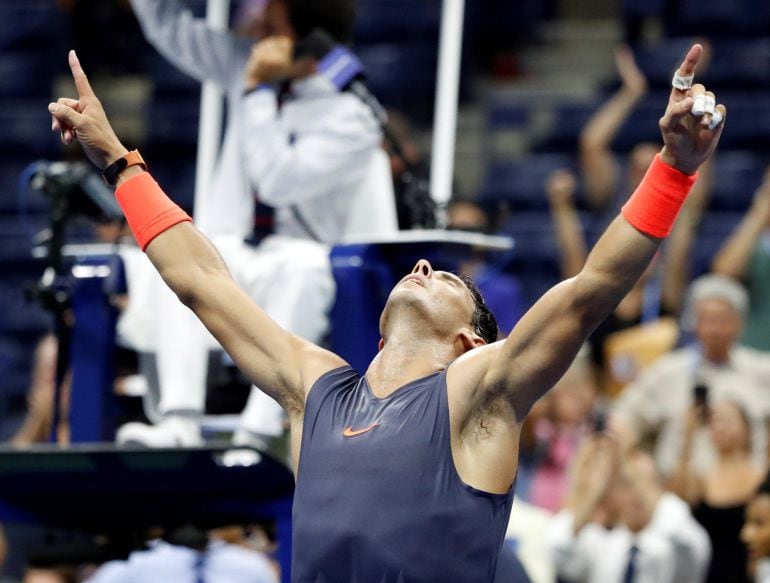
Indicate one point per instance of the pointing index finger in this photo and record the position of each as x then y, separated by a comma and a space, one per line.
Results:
79, 76
687, 67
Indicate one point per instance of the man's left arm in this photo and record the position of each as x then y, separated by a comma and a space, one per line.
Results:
544, 343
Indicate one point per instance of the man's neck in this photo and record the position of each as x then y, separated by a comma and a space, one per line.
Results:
403, 360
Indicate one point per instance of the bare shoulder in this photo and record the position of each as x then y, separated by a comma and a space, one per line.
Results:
316, 362
467, 377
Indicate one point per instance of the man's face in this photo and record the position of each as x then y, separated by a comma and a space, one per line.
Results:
635, 491
756, 530
717, 326
443, 298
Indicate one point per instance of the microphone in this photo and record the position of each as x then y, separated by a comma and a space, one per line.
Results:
343, 68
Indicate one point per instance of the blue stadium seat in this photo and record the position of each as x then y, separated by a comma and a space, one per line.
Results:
20, 313
26, 74
536, 250
28, 23
397, 20
636, 8
16, 238
737, 174
740, 63
718, 18
173, 122
177, 178
569, 120
11, 201
735, 63
520, 185
501, 114
402, 75
748, 123
642, 125
712, 233
168, 80
15, 364
27, 129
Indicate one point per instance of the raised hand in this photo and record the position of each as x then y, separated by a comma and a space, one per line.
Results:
84, 119
692, 123
632, 77
560, 187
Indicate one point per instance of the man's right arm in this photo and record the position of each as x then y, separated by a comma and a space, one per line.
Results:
280, 363
189, 43
283, 365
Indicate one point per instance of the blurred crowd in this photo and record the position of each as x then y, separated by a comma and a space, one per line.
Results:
648, 461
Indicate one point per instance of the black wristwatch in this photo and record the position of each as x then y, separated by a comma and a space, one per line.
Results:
112, 172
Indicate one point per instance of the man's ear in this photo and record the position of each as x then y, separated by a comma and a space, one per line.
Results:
380, 344
467, 340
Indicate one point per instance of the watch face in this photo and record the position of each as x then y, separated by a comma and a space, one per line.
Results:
112, 171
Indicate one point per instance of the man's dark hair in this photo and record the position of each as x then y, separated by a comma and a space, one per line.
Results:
337, 17
483, 320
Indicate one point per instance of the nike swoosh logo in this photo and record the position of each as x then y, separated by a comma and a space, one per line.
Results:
350, 432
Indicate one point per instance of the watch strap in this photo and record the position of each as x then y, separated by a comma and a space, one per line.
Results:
113, 171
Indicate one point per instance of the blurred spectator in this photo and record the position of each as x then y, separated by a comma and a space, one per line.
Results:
654, 405
620, 526
501, 290
554, 430
718, 497
599, 165
756, 534
218, 562
36, 427
745, 256
528, 530
303, 147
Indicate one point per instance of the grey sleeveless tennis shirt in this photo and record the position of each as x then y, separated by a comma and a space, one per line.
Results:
378, 499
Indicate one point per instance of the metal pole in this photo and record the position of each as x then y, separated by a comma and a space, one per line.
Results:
447, 93
210, 127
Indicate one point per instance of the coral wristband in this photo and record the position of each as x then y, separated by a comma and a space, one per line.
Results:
148, 210
656, 202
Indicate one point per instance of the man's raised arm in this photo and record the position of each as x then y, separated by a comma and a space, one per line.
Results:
546, 340
281, 364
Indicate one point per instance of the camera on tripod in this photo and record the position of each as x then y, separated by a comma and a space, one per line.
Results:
76, 189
